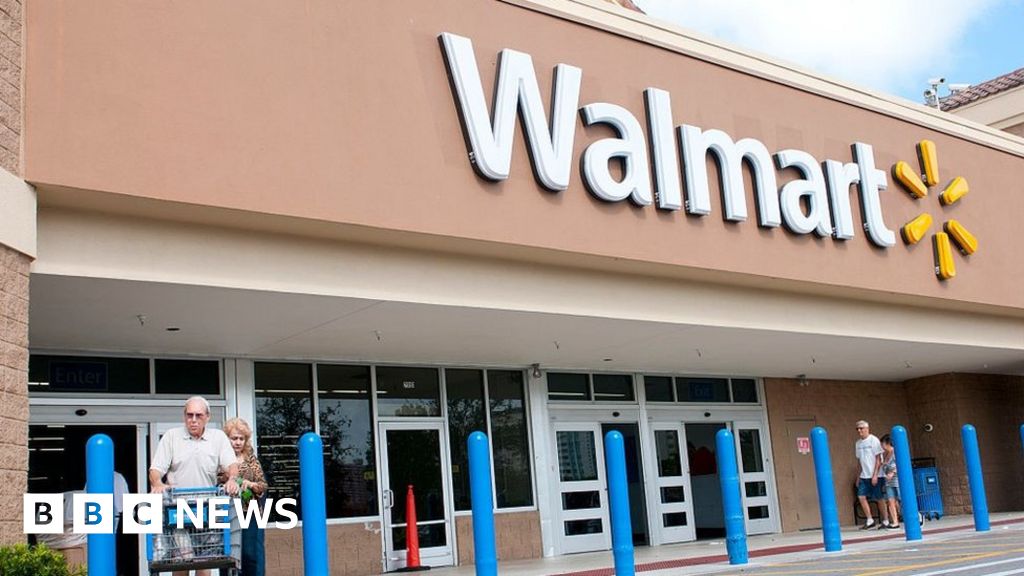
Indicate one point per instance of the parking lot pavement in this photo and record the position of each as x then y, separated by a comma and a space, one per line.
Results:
999, 552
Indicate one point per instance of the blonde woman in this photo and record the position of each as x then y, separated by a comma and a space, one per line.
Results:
252, 484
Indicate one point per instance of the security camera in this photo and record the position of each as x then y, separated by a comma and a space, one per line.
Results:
939, 80
958, 87
929, 427
929, 93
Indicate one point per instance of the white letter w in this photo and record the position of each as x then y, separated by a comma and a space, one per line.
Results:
491, 145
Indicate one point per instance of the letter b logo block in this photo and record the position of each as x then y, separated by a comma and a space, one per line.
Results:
43, 513
93, 513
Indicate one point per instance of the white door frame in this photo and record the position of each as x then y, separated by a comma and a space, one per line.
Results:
434, 556
660, 534
588, 542
759, 525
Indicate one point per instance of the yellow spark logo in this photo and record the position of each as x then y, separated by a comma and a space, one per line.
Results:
915, 230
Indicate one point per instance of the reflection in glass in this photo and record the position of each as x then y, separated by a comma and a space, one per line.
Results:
670, 461
613, 387
87, 374
465, 393
404, 391
347, 431
744, 390
702, 389
283, 414
755, 489
187, 377
658, 388
414, 459
757, 512
564, 386
581, 527
509, 440
577, 456
673, 519
750, 451
673, 495
431, 535
581, 500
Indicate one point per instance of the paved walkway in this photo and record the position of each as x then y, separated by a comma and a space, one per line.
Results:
709, 557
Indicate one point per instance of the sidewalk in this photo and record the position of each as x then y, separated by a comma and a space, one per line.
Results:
706, 557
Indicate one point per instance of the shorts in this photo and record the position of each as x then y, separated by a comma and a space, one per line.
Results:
892, 492
864, 488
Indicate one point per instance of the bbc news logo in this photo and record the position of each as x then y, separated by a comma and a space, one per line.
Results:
143, 513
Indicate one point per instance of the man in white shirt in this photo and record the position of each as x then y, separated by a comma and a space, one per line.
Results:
189, 456
870, 483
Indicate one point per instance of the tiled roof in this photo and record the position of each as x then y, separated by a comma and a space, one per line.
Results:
983, 90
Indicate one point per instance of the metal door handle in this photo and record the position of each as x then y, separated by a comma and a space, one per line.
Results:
389, 499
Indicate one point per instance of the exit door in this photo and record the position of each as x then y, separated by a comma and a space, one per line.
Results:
413, 456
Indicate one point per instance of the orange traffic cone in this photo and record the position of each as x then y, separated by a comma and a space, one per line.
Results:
412, 536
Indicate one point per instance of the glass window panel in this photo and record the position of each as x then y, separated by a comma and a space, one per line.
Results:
658, 388
284, 412
346, 426
673, 494
750, 451
757, 512
674, 519
414, 459
465, 390
744, 390
755, 489
563, 386
581, 527
509, 440
581, 500
613, 387
188, 377
430, 536
406, 391
87, 374
577, 456
702, 389
670, 461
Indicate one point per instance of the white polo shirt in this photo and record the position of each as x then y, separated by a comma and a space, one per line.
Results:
192, 462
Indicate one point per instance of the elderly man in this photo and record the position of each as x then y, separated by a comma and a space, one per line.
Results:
190, 456
870, 483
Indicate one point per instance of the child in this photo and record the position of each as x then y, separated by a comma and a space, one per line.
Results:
892, 484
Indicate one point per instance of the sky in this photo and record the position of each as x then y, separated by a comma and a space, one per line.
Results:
892, 46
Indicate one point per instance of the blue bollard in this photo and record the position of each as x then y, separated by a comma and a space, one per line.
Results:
485, 555
826, 490
99, 479
732, 502
618, 504
313, 504
975, 478
905, 475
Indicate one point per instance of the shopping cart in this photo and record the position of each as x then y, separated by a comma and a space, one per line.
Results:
190, 547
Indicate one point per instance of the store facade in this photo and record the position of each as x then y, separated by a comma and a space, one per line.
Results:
397, 224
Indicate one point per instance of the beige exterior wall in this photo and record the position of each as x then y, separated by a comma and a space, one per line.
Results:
10, 85
14, 268
1017, 130
517, 536
995, 406
17, 238
379, 142
836, 406
355, 550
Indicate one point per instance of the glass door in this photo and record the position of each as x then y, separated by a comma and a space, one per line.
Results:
582, 488
753, 465
412, 457
673, 499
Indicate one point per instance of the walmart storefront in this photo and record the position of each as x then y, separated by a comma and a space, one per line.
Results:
395, 224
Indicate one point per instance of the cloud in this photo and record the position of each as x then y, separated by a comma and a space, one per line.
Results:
887, 46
